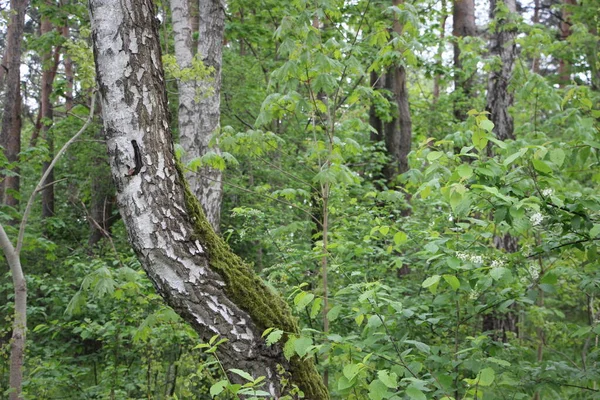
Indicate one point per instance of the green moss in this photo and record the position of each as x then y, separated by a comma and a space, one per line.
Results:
249, 292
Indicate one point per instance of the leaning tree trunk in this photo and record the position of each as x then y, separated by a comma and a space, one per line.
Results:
504, 47
190, 266
10, 133
199, 102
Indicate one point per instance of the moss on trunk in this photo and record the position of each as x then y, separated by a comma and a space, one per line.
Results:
249, 292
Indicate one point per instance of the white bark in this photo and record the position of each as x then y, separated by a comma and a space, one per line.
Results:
190, 266
199, 102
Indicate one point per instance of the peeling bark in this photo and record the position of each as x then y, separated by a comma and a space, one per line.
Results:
504, 48
199, 113
190, 266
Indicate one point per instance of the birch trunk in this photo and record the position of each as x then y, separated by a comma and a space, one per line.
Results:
199, 102
190, 266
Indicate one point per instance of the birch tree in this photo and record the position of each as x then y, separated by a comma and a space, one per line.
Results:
190, 266
199, 101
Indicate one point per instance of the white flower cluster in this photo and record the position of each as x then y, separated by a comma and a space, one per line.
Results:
547, 192
534, 271
474, 294
469, 257
536, 219
497, 263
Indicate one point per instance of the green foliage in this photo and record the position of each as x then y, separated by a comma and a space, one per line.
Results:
472, 275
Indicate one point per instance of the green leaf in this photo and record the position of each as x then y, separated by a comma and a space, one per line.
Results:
288, 348
274, 337
400, 238
480, 139
344, 383
486, 125
557, 156
497, 273
242, 373
582, 331
509, 160
218, 387
316, 307
414, 393
334, 313
302, 344
378, 390
486, 377
595, 231
498, 361
465, 171
351, 370
389, 379
541, 166
431, 283
434, 155
452, 281
302, 299
419, 345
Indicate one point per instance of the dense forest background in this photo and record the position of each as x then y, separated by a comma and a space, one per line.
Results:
418, 179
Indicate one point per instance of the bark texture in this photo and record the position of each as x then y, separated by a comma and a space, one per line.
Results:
463, 15
190, 266
564, 66
504, 49
397, 133
199, 102
10, 133
46, 115
17, 344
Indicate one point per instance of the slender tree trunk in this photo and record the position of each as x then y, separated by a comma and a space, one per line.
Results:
564, 68
49, 65
10, 133
463, 14
190, 266
440, 53
103, 200
199, 102
68, 72
397, 133
535, 63
17, 344
502, 46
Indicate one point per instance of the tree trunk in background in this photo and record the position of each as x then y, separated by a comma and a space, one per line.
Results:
502, 46
199, 113
49, 66
440, 53
535, 63
10, 133
68, 72
564, 68
397, 133
190, 266
374, 120
103, 199
499, 99
463, 14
